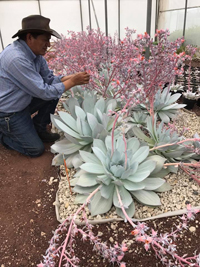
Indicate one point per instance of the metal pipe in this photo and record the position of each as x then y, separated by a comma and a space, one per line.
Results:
106, 17
39, 7
148, 24
90, 23
119, 19
1, 39
185, 15
95, 14
81, 14
157, 16
181, 8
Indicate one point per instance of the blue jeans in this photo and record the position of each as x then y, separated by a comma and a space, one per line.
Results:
18, 131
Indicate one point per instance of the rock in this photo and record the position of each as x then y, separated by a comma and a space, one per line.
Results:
66, 205
43, 234
194, 187
100, 233
111, 239
192, 229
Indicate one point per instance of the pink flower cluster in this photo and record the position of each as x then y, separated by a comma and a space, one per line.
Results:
118, 69
164, 245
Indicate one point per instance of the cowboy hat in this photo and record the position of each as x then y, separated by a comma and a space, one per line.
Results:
36, 23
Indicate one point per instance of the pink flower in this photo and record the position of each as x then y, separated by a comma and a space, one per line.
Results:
154, 233
120, 258
124, 247
135, 232
123, 264
140, 238
146, 246
118, 82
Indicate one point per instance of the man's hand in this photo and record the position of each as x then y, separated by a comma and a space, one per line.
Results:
76, 79
80, 78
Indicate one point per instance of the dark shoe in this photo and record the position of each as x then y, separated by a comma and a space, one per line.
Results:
49, 137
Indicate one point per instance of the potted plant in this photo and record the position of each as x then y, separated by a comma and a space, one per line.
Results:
198, 93
176, 88
190, 98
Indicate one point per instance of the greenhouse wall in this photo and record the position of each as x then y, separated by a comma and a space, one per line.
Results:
111, 16
172, 15
75, 15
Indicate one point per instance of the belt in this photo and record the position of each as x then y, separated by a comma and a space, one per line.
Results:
6, 115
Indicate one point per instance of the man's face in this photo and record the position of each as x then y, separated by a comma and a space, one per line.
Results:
40, 44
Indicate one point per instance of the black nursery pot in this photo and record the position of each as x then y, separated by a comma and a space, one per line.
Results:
198, 102
189, 102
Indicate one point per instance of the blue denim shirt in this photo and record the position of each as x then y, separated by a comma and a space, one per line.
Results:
23, 75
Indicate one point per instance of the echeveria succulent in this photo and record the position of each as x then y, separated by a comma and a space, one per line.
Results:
164, 105
88, 119
159, 135
137, 118
127, 171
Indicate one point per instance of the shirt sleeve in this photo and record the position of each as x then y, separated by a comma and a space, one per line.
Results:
41, 84
47, 74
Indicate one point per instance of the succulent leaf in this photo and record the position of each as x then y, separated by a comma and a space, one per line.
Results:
99, 204
133, 144
100, 105
80, 113
66, 129
163, 188
153, 184
131, 186
100, 144
68, 119
80, 199
130, 211
124, 195
105, 179
99, 154
84, 190
58, 160
146, 197
159, 163
92, 168
87, 179
88, 157
140, 154
70, 105
65, 147
107, 190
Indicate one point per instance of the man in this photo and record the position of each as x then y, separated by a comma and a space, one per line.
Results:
27, 85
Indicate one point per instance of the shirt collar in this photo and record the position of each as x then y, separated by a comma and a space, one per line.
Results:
28, 51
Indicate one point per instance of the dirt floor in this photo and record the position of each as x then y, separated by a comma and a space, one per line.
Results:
27, 218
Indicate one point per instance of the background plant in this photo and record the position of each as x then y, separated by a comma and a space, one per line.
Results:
164, 106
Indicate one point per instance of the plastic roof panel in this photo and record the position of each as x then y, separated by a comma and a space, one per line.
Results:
171, 4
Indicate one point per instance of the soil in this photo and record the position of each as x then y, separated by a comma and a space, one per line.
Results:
27, 218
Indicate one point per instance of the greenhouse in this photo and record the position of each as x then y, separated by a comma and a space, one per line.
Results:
100, 133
